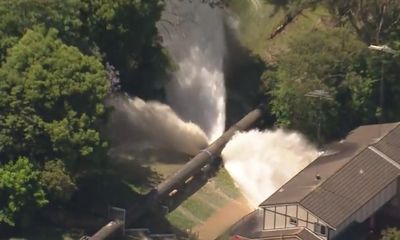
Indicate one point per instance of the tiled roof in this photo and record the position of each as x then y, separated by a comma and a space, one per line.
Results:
358, 168
351, 187
390, 145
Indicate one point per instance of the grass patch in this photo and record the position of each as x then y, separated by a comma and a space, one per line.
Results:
224, 182
204, 203
180, 221
208, 195
198, 208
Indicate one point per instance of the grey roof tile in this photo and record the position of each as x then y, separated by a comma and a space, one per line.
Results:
350, 188
350, 176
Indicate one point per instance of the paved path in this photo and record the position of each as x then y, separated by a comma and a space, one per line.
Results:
222, 219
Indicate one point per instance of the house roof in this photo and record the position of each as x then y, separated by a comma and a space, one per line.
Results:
352, 172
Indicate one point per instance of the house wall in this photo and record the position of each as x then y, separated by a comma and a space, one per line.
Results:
292, 216
368, 209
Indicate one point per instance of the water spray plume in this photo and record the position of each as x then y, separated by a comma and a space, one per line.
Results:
197, 44
153, 125
261, 162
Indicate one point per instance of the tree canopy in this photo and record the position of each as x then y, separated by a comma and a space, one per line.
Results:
328, 61
20, 191
59, 60
123, 33
44, 84
391, 234
336, 59
50, 104
374, 21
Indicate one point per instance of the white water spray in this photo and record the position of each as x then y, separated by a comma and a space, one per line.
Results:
152, 125
197, 91
261, 162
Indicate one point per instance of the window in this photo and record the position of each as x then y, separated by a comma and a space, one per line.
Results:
323, 230
293, 221
320, 229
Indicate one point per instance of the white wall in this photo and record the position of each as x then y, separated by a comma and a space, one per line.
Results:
290, 216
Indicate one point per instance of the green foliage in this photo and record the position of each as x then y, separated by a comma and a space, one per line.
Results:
373, 20
20, 191
57, 181
53, 80
50, 102
178, 219
391, 234
198, 208
122, 32
19, 15
385, 70
328, 60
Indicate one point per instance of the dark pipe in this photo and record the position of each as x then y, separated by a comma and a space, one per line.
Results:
203, 158
108, 230
175, 181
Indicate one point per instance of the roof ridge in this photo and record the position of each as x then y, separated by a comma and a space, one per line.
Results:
389, 132
384, 156
344, 165
315, 159
320, 187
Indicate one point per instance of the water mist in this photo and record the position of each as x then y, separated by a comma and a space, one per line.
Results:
261, 162
138, 125
195, 40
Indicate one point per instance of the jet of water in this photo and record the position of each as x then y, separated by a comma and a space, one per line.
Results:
196, 42
138, 125
262, 161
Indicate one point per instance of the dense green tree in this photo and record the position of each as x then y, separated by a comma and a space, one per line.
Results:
20, 191
51, 99
368, 89
57, 181
391, 234
330, 61
122, 32
19, 15
125, 32
385, 69
373, 20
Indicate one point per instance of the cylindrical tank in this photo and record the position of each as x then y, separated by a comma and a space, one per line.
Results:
107, 230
